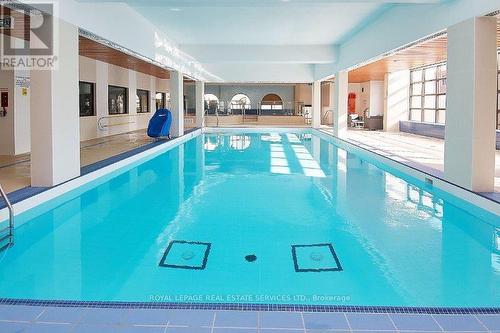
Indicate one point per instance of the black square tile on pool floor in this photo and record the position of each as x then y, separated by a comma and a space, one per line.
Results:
186, 255
315, 258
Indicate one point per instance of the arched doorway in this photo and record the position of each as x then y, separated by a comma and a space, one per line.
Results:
211, 103
271, 104
240, 102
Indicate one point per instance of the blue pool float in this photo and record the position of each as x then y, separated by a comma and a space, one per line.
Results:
159, 124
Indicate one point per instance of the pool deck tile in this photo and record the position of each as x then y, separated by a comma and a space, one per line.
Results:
367, 321
457, 323
12, 327
147, 317
22, 318
281, 320
415, 322
491, 322
235, 330
104, 316
20, 313
188, 330
49, 328
191, 318
61, 315
240, 319
324, 320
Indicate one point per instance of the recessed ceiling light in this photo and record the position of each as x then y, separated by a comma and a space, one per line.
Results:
175, 9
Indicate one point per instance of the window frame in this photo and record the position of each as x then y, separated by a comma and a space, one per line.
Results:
435, 81
163, 103
92, 92
138, 99
126, 106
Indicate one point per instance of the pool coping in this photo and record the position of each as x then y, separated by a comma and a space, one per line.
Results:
266, 307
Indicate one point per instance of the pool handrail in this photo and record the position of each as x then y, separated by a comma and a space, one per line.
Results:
11, 221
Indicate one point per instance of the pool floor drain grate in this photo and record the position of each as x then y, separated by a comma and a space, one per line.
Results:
251, 258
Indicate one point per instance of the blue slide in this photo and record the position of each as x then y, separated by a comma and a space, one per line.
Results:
159, 124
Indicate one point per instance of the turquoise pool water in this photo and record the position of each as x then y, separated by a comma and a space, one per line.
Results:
360, 235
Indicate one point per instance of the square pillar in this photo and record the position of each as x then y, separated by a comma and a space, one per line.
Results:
200, 103
55, 123
340, 96
101, 94
132, 99
316, 105
469, 158
177, 103
396, 99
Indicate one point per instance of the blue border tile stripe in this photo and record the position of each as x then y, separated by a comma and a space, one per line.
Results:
252, 307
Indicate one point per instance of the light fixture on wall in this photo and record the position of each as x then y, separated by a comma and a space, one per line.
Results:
175, 9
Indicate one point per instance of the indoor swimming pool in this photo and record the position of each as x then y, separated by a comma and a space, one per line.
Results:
277, 217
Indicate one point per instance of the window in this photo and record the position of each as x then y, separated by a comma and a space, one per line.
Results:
160, 100
211, 103
428, 94
240, 102
117, 100
142, 101
87, 105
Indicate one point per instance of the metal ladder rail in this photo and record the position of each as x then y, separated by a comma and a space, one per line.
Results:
10, 228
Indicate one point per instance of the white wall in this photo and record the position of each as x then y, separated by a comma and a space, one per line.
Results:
15, 127
102, 75
255, 92
7, 122
376, 98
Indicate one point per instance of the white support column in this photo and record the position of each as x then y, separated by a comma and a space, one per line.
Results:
200, 103
316, 105
396, 99
132, 98
340, 104
55, 126
177, 101
152, 95
101, 95
469, 158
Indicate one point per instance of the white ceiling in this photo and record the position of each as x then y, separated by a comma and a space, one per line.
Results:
228, 35
260, 22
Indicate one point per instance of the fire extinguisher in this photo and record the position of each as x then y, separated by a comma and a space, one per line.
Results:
351, 102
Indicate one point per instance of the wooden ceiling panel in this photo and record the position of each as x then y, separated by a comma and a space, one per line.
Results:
426, 53
94, 50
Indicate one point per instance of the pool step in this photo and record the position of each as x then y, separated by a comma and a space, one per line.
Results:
7, 233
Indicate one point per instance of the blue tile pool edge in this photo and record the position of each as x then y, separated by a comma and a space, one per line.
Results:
252, 307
